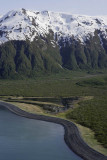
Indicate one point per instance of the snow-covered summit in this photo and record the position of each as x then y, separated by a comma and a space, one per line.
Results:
24, 24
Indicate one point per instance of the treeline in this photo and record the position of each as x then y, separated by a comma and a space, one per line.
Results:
44, 55
25, 58
91, 55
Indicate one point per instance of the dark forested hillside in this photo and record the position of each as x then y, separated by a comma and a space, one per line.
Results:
31, 58
25, 58
92, 55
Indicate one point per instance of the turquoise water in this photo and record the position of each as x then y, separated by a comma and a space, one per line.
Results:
27, 139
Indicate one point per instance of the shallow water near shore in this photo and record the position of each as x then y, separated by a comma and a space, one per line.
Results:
28, 139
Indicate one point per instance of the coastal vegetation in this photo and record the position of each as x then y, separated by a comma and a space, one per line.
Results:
88, 92
92, 114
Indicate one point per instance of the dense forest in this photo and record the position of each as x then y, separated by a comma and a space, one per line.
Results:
93, 114
43, 55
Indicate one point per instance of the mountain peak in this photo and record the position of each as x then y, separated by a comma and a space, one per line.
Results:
23, 24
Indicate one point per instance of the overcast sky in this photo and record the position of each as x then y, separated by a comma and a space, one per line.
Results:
87, 7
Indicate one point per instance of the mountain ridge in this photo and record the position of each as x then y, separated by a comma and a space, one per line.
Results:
24, 24
49, 42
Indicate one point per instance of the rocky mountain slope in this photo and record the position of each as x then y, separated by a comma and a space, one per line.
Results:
46, 41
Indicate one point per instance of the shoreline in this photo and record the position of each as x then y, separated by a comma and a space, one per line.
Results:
71, 136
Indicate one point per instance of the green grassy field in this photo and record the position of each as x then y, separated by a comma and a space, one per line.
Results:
65, 85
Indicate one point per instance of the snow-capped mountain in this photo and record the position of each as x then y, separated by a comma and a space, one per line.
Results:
24, 24
47, 42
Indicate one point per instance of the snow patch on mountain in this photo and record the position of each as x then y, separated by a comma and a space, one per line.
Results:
24, 24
